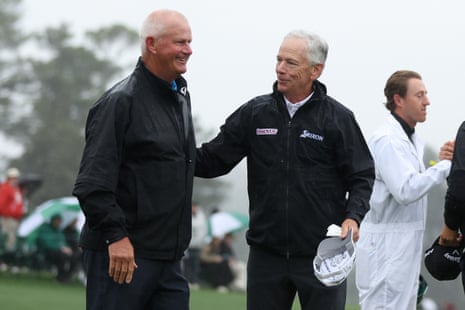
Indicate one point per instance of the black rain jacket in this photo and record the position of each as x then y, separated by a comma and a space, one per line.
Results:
454, 208
136, 172
304, 173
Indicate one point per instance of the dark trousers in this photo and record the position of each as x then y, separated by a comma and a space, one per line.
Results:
156, 285
274, 280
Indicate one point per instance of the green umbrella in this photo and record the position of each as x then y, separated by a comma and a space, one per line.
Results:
67, 207
223, 222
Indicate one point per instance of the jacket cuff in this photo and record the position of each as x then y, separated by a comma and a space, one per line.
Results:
114, 234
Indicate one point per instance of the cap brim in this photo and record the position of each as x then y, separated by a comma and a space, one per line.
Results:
335, 245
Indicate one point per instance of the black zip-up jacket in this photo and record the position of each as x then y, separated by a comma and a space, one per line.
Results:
136, 172
304, 173
454, 208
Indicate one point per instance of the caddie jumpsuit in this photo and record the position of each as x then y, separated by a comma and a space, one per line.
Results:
389, 250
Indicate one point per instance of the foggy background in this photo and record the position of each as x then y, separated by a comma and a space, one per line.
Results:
234, 52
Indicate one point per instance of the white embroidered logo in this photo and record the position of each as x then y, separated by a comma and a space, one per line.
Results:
453, 257
266, 131
183, 90
309, 135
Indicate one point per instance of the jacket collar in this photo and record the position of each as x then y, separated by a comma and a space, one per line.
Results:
155, 80
319, 91
416, 144
408, 130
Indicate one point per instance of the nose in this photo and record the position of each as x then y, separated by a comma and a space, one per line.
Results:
426, 102
187, 49
280, 67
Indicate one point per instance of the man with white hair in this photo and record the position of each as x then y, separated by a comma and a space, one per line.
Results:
11, 207
136, 175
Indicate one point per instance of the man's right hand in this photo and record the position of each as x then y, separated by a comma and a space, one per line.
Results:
122, 263
447, 150
449, 237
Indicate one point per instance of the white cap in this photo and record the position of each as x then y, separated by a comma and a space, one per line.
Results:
12, 173
334, 260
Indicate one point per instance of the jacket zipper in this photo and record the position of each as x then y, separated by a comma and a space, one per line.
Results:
287, 187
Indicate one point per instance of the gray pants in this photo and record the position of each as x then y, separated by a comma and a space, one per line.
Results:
9, 226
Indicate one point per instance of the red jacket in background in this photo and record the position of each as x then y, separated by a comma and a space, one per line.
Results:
11, 201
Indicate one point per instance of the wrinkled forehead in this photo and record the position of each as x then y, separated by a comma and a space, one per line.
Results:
293, 48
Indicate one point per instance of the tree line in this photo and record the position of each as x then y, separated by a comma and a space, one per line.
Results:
48, 80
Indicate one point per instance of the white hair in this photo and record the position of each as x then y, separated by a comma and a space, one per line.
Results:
155, 25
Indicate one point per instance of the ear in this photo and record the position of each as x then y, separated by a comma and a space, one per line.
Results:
317, 70
398, 101
151, 44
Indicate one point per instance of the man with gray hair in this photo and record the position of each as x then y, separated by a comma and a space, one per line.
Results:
308, 167
136, 175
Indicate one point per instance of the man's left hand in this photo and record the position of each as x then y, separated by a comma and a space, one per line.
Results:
346, 226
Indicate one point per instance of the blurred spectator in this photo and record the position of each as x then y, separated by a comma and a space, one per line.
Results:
51, 242
11, 207
428, 304
450, 306
220, 266
199, 235
215, 263
238, 267
72, 234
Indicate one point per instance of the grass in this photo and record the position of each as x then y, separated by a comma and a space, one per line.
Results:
41, 291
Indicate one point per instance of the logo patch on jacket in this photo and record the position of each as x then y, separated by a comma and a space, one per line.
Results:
310, 135
183, 90
266, 131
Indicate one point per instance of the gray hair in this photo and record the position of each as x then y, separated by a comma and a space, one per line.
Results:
317, 48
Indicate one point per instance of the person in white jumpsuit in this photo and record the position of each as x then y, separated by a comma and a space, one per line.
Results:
389, 251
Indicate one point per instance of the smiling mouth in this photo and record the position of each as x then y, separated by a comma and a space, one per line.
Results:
182, 58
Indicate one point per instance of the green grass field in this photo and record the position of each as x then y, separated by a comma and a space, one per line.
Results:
40, 291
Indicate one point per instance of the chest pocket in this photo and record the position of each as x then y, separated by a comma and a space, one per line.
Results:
268, 145
312, 148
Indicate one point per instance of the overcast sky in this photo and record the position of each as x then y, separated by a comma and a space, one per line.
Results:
235, 45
